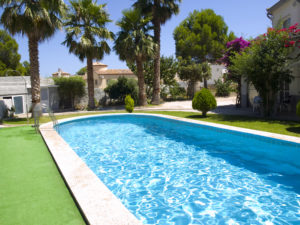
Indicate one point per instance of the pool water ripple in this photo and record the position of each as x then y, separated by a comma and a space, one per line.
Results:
169, 173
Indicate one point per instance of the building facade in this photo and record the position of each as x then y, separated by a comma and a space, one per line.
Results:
103, 75
61, 73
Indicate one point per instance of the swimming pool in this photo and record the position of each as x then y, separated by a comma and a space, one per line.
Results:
172, 172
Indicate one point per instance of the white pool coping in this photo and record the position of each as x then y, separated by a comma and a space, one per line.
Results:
98, 204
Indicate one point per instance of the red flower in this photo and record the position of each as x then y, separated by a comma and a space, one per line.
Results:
283, 29
292, 42
294, 27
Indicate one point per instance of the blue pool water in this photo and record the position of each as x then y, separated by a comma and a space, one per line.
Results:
172, 172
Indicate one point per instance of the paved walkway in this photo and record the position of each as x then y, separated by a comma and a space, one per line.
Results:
187, 105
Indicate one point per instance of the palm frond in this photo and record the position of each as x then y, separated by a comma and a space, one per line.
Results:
86, 33
38, 19
133, 40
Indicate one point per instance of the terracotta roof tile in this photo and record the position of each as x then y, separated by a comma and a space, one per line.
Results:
98, 64
115, 72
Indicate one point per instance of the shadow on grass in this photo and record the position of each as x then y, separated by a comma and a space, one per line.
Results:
295, 130
16, 120
244, 119
196, 117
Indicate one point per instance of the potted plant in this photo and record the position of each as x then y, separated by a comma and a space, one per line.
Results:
12, 111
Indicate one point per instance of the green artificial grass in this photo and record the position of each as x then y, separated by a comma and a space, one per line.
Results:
45, 118
32, 190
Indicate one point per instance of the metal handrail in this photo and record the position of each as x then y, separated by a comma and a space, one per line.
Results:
53, 118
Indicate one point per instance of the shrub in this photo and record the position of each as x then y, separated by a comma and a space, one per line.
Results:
222, 88
119, 89
177, 92
298, 109
204, 101
80, 107
164, 92
70, 88
129, 104
12, 111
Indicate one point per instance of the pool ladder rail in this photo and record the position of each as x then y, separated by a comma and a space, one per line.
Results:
54, 120
37, 113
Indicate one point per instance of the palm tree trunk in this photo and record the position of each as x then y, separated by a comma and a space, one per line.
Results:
238, 94
205, 83
34, 70
90, 78
191, 88
141, 82
156, 82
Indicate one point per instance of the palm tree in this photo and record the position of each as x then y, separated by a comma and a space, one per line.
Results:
135, 45
86, 36
161, 11
38, 20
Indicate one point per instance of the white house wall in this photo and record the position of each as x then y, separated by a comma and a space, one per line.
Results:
217, 72
295, 84
290, 9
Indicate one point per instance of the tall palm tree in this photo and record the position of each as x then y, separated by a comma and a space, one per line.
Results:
86, 36
135, 45
38, 20
161, 11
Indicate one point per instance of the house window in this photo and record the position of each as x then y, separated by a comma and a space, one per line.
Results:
44, 94
287, 23
284, 92
18, 103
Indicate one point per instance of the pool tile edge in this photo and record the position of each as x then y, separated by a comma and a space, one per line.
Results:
98, 204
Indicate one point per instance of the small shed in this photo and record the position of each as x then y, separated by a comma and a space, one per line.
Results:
16, 91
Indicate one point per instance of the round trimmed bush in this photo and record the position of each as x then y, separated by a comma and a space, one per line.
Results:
129, 104
204, 101
298, 109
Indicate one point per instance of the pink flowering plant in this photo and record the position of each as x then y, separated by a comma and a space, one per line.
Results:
265, 64
233, 47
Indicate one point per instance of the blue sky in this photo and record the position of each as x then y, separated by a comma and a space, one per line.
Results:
245, 18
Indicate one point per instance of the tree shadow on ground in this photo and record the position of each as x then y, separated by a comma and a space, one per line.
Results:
247, 119
295, 130
196, 117
16, 120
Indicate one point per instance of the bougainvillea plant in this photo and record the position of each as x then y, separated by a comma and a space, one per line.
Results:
293, 41
233, 47
294, 34
237, 45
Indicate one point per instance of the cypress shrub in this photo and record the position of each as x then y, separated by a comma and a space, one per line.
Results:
129, 104
204, 101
